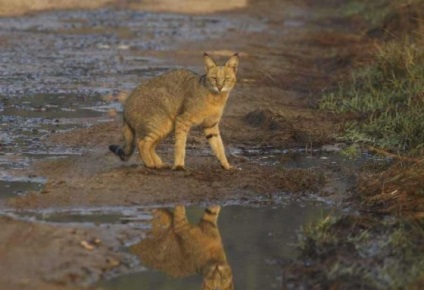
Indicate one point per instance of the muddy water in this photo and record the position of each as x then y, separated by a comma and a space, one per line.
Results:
14, 188
255, 239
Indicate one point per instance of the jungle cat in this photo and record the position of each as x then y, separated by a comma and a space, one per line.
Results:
181, 249
177, 100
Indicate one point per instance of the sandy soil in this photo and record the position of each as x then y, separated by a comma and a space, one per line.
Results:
273, 104
20, 7
45, 256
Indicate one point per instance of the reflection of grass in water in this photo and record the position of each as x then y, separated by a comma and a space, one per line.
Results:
363, 252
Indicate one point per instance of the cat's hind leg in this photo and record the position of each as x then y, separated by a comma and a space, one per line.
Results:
160, 133
144, 144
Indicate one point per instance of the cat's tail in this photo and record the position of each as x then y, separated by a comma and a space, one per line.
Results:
127, 150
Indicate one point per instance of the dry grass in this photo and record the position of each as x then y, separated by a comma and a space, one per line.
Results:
366, 251
358, 252
398, 190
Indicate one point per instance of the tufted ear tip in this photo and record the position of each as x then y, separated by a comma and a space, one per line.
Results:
209, 62
233, 62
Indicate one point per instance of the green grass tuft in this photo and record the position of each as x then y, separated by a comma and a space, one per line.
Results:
389, 94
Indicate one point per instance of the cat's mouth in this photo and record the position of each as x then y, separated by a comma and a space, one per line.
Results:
221, 90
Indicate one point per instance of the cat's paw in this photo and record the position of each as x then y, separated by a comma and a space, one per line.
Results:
179, 209
214, 209
228, 167
178, 168
162, 166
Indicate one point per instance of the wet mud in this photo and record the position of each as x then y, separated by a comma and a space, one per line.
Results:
70, 208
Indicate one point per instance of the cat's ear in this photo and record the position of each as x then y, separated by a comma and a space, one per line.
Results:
233, 62
209, 63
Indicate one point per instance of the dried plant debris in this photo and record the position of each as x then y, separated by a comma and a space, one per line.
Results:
354, 252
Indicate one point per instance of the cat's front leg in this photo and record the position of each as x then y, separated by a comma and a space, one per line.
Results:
214, 138
182, 127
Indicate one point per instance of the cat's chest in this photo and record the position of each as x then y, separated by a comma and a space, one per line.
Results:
207, 112
210, 115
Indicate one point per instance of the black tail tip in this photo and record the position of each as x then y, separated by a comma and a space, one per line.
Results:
113, 148
117, 150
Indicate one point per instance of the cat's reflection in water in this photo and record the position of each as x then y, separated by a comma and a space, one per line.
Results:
181, 249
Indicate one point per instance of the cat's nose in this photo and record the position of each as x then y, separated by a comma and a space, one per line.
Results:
219, 86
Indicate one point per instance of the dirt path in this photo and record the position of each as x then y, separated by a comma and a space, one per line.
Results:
272, 105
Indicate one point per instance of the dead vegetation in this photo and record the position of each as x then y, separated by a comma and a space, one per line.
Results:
358, 252
398, 190
386, 95
381, 248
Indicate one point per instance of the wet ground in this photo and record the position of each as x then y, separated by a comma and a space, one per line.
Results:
71, 208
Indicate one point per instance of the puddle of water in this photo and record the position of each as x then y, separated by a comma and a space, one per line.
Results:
254, 240
51, 106
14, 188
135, 217
78, 218
21, 138
338, 168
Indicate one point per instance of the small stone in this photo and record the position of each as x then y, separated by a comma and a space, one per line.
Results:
86, 245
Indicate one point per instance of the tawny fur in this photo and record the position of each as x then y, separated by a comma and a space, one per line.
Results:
181, 249
177, 100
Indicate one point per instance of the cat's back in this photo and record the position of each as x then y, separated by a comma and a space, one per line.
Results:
173, 77
170, 82
166, 92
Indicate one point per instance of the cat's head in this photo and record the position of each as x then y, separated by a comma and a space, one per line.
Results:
217, 276
220, 79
